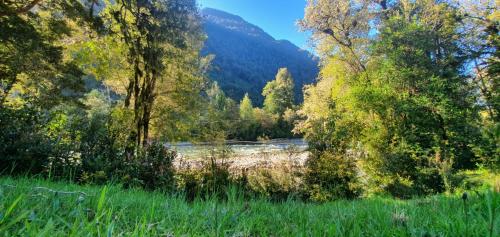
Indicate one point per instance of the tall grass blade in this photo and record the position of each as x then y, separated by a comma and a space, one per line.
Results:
102, 199
11, 208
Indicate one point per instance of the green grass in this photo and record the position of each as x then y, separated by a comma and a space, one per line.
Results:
26, 210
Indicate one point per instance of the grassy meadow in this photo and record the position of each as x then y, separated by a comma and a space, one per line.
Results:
36, 207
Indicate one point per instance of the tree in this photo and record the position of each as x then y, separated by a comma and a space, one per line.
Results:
481, 25
340, 26
180, 102
31, 56
151, 29
246, 110
480, 41
217, 119
279, 93
40, 87
248, 127
402, 109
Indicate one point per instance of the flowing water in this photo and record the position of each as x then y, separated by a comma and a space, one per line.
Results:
245, 154
240, 148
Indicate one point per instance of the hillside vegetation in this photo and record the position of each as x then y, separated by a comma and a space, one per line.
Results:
246, 57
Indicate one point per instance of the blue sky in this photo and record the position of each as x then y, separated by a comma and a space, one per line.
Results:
276, 17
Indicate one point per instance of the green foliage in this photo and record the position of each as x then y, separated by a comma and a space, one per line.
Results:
37, 36
218, 118
428, 110
279, 93
151, 35
75, 210
213, 179
24, 148
246, 110
277, 183
248, 124
487, 79
399, 104
488, 149
151, 169
246, 57
276, 119
331, 176
180, 102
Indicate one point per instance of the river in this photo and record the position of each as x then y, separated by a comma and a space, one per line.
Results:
246, 154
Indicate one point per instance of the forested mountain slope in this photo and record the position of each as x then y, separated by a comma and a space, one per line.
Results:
246, 57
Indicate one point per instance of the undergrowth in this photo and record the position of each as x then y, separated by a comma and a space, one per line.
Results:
36, 207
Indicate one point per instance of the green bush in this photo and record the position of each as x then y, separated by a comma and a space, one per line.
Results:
211, 180
277, 183
331, 176
72, 143
152, 168
24, 149
402, 173
488, 150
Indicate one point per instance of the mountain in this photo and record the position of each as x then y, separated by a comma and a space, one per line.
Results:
246, 57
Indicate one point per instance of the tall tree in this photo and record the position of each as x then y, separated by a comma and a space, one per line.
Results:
424, 104
480, 40
150, 29
246, 109
219, 116
31, 47
40, 87
481, 26
247, 123
180, 102
408, 115
342, 27
279, 93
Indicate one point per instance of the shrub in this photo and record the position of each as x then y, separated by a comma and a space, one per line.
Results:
331, 176
488, 149
23, 146
212, 179
152, 168
400, 176
188, 182
278, 183
35, 141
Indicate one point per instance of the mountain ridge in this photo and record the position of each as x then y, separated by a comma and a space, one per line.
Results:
246, 57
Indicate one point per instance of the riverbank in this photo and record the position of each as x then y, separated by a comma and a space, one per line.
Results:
247, 161
36, 207
241, 155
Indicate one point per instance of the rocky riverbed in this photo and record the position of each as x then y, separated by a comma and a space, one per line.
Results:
246, 161
240, 155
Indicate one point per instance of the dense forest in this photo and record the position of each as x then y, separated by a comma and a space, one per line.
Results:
407, 97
